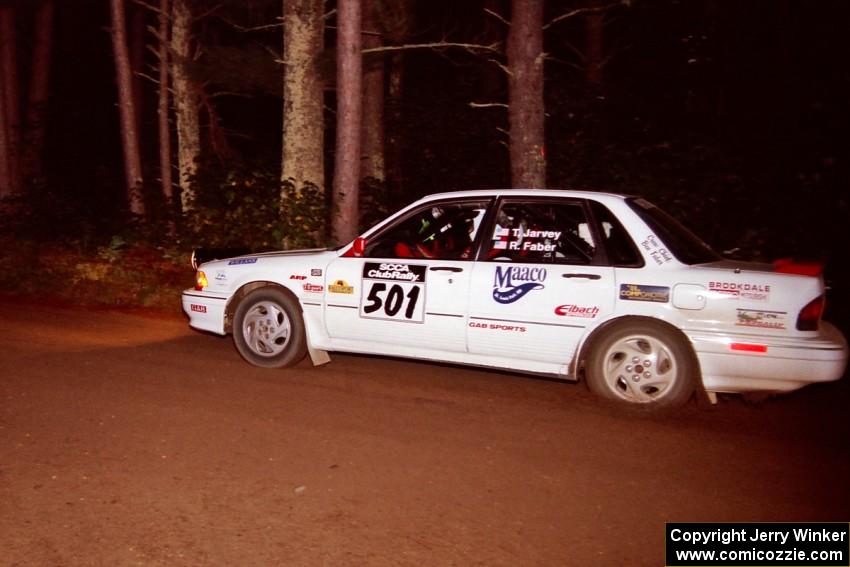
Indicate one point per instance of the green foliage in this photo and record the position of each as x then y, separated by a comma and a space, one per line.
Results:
112, 275
245, 206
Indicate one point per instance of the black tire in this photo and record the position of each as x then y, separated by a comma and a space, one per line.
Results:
642, 362
268, 329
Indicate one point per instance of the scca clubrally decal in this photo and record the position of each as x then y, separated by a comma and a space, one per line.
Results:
393, 291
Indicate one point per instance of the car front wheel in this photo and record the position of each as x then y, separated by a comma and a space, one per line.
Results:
642, 362
268, 329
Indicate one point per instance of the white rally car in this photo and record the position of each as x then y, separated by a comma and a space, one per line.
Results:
577, 285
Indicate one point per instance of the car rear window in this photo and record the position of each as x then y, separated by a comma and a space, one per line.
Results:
687, 247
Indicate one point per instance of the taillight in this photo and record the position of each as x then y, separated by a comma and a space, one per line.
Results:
201, 281
810, 315
802, 268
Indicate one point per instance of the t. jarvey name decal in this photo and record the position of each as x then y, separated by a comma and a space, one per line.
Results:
393, 291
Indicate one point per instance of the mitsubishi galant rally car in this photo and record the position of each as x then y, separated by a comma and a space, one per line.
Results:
604, 288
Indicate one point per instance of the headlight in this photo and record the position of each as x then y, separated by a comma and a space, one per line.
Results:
201, 280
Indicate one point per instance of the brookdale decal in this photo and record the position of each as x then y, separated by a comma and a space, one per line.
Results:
637, 292
754, 291
512, 283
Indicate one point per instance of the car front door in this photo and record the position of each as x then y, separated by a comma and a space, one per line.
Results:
540, 281
408, 292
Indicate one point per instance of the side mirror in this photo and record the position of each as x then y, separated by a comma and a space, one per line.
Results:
358, 248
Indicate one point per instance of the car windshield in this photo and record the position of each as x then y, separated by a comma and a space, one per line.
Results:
687, 247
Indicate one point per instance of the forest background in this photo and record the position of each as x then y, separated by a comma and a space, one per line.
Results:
731, 115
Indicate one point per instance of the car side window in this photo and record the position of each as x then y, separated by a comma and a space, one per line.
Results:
541, 232
442, 231
620, 247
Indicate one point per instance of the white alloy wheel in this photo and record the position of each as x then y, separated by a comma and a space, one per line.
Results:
641, 362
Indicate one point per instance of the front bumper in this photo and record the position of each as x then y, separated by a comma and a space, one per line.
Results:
206, 310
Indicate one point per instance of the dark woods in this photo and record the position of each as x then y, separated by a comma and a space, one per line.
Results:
730, 114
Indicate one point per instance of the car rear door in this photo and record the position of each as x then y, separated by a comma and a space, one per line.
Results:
540, 281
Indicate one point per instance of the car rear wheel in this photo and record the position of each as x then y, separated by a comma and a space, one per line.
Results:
642, 362
268, 329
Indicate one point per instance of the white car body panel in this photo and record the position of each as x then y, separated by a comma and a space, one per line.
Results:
740, 318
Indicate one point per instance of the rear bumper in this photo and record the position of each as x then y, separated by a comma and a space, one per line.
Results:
786, 364
206, 310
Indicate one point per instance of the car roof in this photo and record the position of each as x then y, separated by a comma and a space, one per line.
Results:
525, 193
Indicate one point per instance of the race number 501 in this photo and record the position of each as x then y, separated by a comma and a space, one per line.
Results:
393, 291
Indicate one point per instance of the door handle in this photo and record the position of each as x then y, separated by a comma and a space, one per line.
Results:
584, 276
445, 269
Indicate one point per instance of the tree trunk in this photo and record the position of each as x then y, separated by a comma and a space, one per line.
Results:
594, 49
11, 94
126, 107
492, 77
349, 80
36, 124
395, 119
302, 155
163, 106
525, 94
372, 131
185, 101
5, 173
138, 47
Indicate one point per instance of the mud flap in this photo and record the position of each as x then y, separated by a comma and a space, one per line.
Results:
319, 357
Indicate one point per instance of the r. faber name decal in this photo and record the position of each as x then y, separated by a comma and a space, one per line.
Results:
522, 239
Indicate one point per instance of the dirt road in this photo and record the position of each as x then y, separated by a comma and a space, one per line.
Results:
131, 440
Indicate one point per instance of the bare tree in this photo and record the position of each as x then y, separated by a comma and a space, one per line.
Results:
9, 90
5, 174
349, 99
163, 102
36, 123
396, 17
126, 107
525, 94
372, 130
185, 100
302, 160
